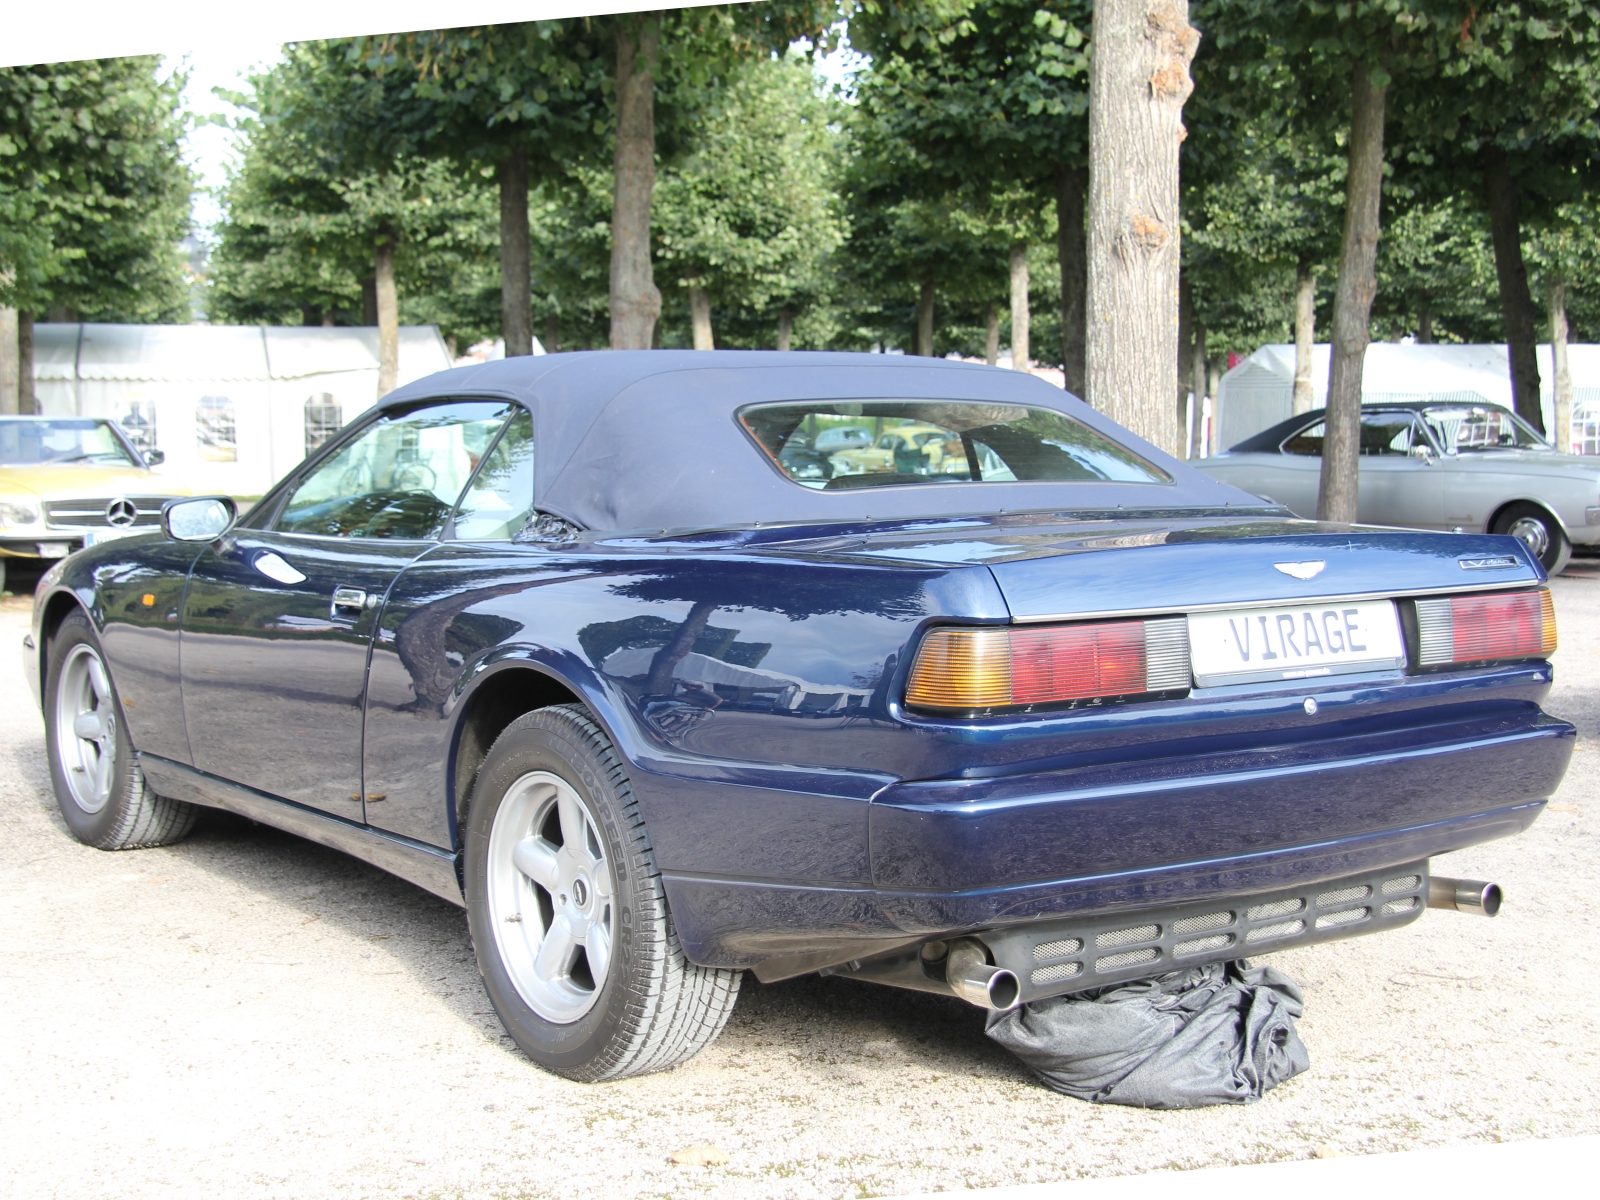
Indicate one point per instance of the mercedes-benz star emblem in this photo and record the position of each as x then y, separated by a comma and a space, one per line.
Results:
121, 512
1301, 570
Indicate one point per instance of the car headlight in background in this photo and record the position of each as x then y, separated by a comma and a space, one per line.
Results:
13, 513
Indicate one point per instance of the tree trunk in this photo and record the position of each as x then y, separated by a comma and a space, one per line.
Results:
991, 334
1352, 303
1021, 359
27, 400
1072, 184
1197, 375
700, 315
552, 333
1425, 321
1185, 349
1305, 335
1558, 352
1138, 81
659, 681
369, 301
327, 318
516, 270
925, 320
1516, 301
9, 391
388, 317
635, 301
785, 329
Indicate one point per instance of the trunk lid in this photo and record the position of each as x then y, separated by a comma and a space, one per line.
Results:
1066, 569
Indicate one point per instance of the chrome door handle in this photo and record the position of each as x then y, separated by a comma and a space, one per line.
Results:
347, 602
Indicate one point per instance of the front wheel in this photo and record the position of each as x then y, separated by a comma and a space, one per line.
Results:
98, 784
568, 917
1539, 532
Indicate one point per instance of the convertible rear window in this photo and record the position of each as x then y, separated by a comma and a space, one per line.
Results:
879, 443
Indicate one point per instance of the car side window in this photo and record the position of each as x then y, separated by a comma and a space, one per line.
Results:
399, 477
1307, 441
1388, 433
499, 500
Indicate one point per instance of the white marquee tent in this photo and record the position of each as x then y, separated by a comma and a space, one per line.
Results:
1259, 392
233, 407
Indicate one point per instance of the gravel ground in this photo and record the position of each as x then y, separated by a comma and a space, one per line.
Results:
247, 1014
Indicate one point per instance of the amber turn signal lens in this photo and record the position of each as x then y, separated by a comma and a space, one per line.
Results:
962, 668
969, 670
1486, 626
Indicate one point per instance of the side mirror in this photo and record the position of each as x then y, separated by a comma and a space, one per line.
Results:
198, 519
1425, 453
154, 458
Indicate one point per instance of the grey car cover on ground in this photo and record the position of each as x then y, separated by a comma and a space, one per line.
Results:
1218, 1034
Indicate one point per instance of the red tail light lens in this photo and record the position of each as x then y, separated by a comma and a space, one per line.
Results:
1488, 626
969, 670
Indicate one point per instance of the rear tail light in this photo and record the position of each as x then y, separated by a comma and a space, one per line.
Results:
1492, 625
968, 670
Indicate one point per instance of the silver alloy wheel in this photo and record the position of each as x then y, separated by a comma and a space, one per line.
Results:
1533, 533
86, 729
550, 897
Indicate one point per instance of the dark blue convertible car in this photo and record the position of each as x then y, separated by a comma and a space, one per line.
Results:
664, 682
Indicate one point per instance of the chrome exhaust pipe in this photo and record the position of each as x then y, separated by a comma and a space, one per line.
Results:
967, 971
1465, 895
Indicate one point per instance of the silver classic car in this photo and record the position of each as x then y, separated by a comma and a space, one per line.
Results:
1469, 468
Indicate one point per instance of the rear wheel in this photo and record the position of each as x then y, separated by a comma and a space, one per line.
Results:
98, 784
569, 920
1539, 532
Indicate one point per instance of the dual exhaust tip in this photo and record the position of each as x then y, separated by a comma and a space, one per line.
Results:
970, 975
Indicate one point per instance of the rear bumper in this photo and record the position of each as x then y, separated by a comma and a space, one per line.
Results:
965, 855
967, 852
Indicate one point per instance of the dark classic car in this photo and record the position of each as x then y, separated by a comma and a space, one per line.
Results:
565, 641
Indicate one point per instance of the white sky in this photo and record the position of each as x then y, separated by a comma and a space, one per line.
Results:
224, 64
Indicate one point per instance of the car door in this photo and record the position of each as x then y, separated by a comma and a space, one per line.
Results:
1290, 477
442, 612
1398, 487
278, 619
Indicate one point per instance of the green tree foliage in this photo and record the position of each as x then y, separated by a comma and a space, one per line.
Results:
751, 211
297, 240
94, 196
976, 91
1436, 280
987, 101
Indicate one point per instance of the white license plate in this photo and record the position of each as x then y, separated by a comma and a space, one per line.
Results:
94, 537
1300, 642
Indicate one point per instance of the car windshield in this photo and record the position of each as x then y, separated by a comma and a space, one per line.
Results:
833, 446
1463, 428
28, 443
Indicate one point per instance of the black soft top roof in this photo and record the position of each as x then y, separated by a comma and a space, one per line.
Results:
649, 439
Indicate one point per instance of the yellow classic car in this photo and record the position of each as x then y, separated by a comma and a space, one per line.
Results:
68, 482
914, 448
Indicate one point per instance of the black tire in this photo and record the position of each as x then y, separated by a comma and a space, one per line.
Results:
654, 1008
131, 816
1540, 532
